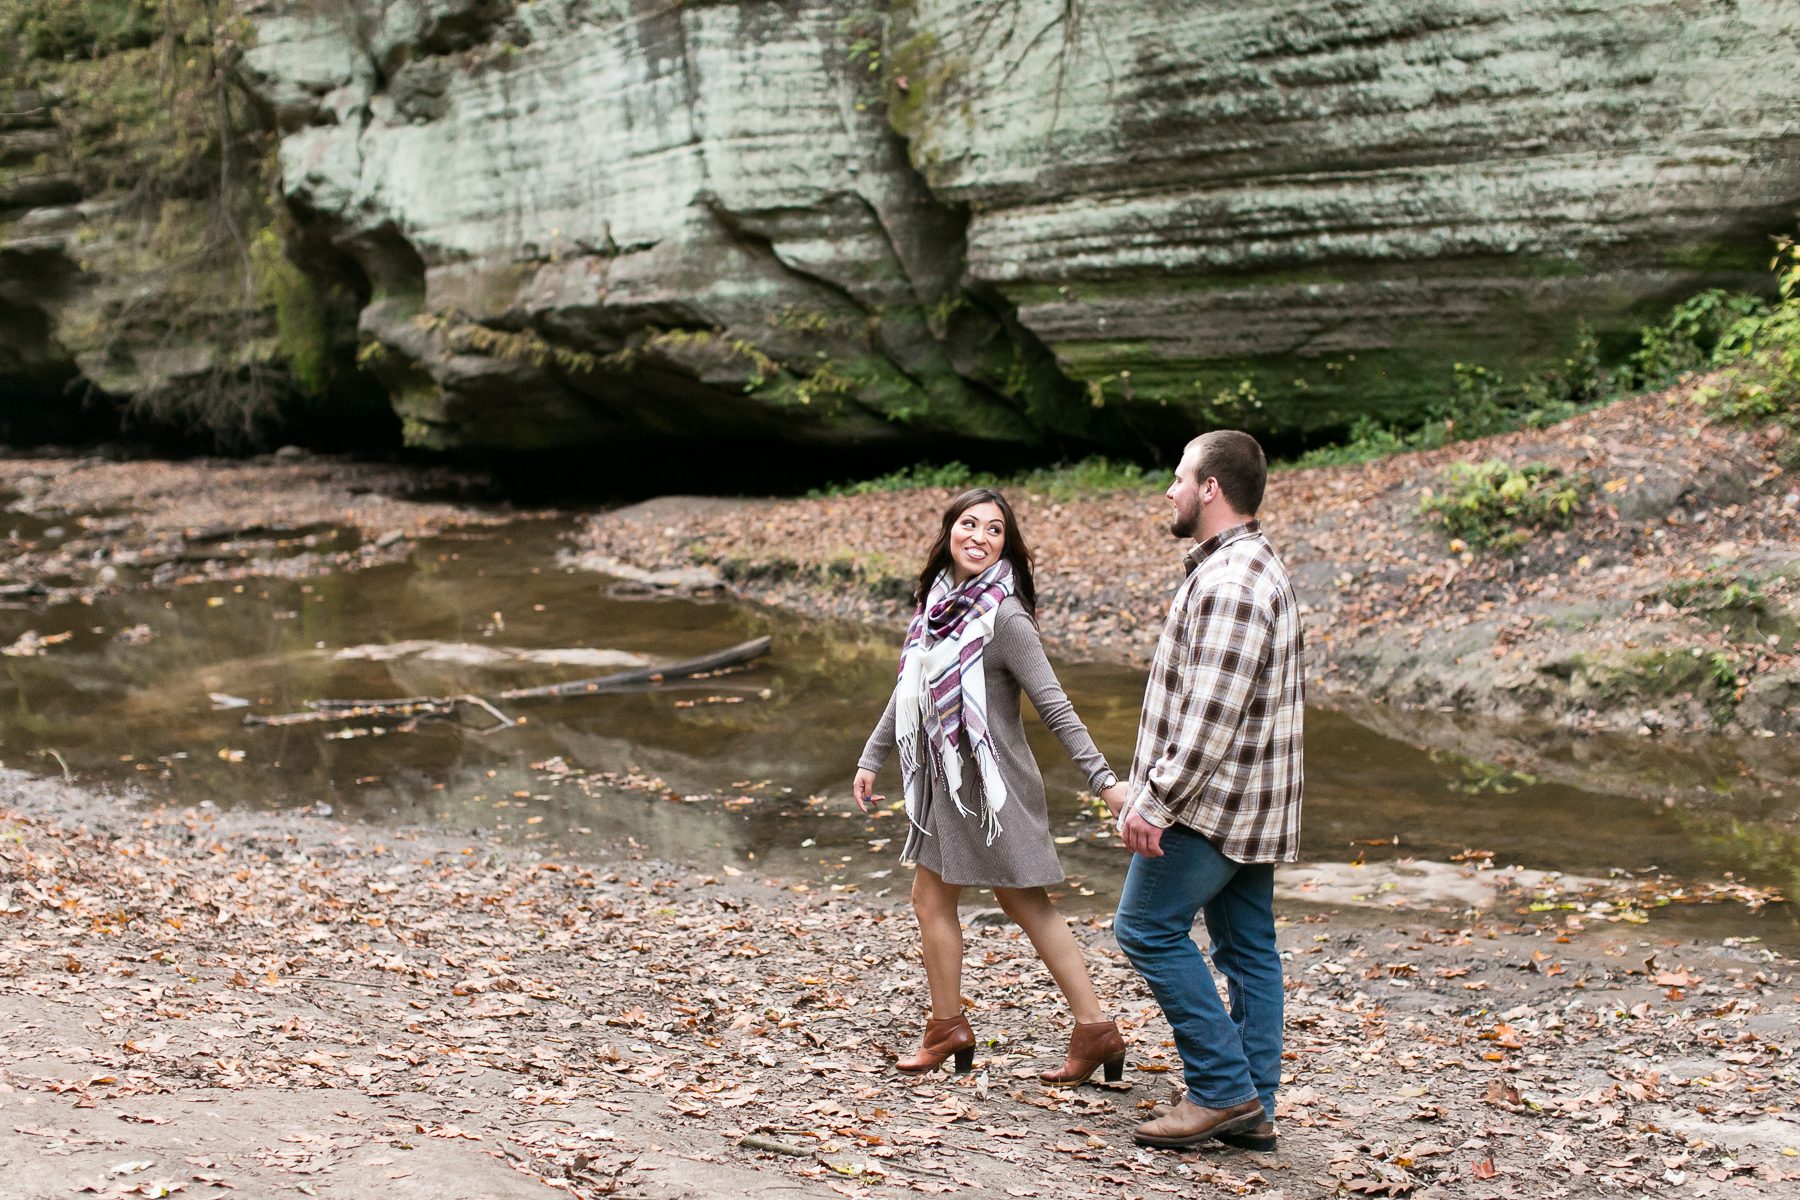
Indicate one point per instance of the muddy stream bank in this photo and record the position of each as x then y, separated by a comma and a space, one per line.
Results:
136, 675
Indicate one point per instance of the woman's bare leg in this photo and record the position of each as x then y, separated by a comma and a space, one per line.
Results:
940, 940
1032, 911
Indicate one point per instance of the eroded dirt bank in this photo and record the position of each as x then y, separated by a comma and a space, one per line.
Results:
80, 527
268, 1003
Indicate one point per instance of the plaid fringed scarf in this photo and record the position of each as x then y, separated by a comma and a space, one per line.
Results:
943, 692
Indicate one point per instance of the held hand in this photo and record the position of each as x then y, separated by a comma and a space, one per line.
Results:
1141, 836
862, 788
1114, 797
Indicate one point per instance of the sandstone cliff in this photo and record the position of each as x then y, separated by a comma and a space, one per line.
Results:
1336, 201
585, 222
1039, 222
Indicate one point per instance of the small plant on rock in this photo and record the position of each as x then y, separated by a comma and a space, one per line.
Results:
1713, 592
1497, 504
1761, 382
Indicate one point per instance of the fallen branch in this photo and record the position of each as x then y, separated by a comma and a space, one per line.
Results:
732, 656
419, 707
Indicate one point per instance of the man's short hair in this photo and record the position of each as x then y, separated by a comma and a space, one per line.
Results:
1236, 461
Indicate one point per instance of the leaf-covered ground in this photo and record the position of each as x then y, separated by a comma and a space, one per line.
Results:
263, 1004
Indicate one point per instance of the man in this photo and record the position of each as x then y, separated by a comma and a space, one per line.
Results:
1214, 801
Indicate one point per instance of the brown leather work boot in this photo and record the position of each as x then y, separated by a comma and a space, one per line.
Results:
951, 1036
1261, 1138
1187, 1124
1092, 1045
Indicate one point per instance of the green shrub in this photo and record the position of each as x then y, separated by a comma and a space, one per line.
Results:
921, 475
1713, 592
1369, 440
1757, 345
1497, 504
1089, 477
1480, 403
65, 30
1761, 355
1689, 338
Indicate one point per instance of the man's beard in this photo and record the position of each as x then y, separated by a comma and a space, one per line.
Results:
1186, 522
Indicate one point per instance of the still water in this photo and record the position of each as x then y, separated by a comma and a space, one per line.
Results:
749, 771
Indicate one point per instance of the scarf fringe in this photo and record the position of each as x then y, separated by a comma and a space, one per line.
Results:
990, 783
919, 798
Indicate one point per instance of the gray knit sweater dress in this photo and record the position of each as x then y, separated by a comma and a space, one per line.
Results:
1023, 855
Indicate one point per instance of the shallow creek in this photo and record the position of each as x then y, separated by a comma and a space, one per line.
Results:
749, 771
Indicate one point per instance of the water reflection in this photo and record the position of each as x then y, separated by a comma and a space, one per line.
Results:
126, 700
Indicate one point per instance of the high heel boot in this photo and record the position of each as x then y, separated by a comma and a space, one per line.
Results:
1096, 1044
951, 1036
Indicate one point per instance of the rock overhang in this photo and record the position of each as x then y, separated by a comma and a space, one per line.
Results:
1081, 237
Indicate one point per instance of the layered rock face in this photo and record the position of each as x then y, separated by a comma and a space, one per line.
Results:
588, 221
34, 366
1328, 204
585, 223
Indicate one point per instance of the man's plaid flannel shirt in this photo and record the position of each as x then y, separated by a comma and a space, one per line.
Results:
1219, 742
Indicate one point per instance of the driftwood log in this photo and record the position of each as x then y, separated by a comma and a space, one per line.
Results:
419, 707
706, 664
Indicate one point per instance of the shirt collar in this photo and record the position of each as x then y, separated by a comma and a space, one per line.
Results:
1205, 550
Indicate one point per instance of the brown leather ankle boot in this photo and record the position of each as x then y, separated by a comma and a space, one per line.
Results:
1092, 1045
942, 1039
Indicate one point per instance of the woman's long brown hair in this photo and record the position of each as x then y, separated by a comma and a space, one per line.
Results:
1013, 548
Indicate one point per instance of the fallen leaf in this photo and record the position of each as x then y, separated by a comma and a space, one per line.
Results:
451, 1131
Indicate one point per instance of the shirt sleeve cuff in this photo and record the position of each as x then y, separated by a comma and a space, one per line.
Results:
1151, 810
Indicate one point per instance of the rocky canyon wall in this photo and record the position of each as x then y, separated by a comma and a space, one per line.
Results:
598, 222
1041, 223
1335, 201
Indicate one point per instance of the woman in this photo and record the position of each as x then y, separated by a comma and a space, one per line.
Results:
974, 798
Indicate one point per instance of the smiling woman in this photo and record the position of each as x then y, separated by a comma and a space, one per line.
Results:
978, 525
971, 651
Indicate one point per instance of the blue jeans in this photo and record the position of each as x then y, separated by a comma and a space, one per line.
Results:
1228, 1058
